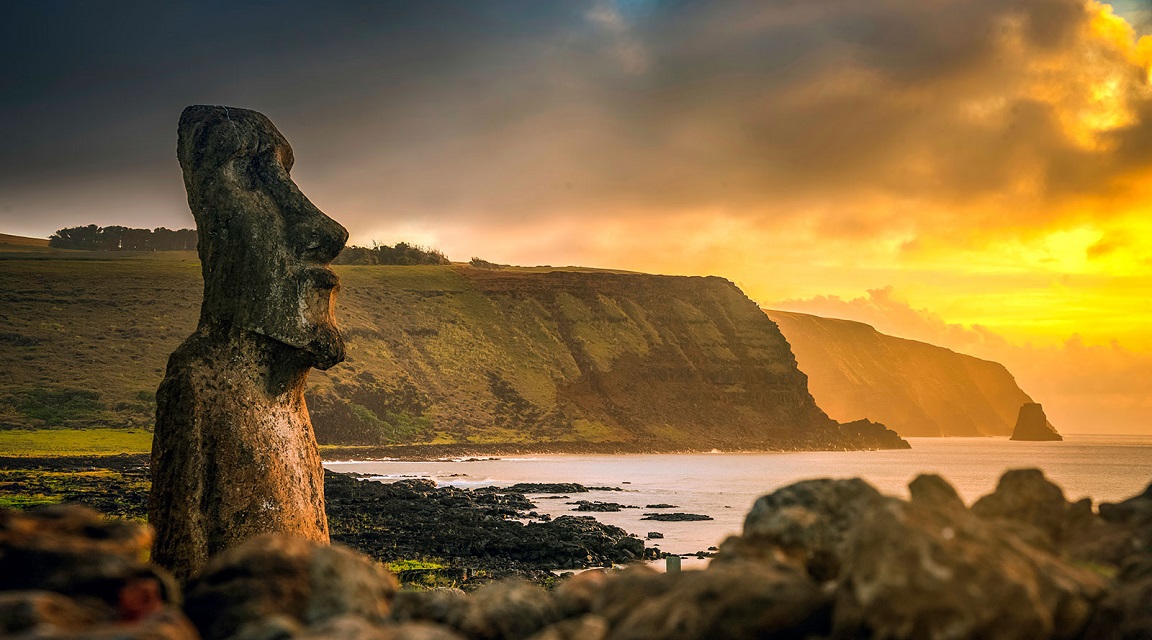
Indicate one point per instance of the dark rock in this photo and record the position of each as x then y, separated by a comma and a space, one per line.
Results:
1134, 510
805, 522
586, 627
476, 529
1025, 495
675, 517
65, 571
604, 507
616, 596
423, 631
448, 607
655, 535
865, 434
1124, 614
75, 551
1033, 425
911, 571
661, 506
746, 600
509, 610
233, 454
277, 575
25, 611
546, 487
930, 490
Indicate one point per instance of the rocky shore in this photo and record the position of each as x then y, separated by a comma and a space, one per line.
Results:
817, 559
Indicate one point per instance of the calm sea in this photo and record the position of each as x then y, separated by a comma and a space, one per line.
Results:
724, 485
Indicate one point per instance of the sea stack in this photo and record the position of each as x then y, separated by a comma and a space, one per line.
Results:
1033, 425
233, 454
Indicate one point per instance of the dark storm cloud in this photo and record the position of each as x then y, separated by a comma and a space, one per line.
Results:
500, 111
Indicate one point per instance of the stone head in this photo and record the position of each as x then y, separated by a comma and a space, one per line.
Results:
264, 248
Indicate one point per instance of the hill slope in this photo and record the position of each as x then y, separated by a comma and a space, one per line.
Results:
436, 355
914, 388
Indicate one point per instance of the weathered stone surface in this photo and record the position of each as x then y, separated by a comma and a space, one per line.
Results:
1032, 424
448, 607
282, 577
66, 572
1025, 495
74, 551
509, 610
739, 600
929, 489
234, 454
586, 627
45, 611
804, 523
911, 571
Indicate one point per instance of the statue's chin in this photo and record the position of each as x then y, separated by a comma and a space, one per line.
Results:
326, 347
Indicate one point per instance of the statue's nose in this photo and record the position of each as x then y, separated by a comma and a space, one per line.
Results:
317, 237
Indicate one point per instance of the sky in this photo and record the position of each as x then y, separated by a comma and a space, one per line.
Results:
972, 173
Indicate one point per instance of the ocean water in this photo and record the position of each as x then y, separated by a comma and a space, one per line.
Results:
724, 485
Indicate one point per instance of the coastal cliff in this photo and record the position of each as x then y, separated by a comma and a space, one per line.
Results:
550, 359
464, 355
914, 388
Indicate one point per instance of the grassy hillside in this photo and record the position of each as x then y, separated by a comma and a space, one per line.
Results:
437, 354
916, 389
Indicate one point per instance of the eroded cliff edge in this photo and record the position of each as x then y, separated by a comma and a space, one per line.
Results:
915, 388
463, 355
567, 358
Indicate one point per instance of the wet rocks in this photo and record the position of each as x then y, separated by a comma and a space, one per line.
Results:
603, 507
552, 487
676, 517
475, 529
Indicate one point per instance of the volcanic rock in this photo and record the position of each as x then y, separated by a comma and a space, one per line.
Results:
1033, 425
289, 581
233, 454
805, 523
914, 571
746, 600
676, 517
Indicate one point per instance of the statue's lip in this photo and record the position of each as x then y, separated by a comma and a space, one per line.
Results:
324, 278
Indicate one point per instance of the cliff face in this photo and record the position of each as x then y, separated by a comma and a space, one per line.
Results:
914, 388
439, 354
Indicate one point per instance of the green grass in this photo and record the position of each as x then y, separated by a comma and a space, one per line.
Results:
399, 566
73, 442
436, 354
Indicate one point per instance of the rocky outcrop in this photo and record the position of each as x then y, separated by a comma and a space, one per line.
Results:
233, 454
638, 361
914, 388
1033, 425
478, 530
66, 572
817, 559
528, 359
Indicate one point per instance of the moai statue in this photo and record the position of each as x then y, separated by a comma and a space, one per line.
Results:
234, 455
